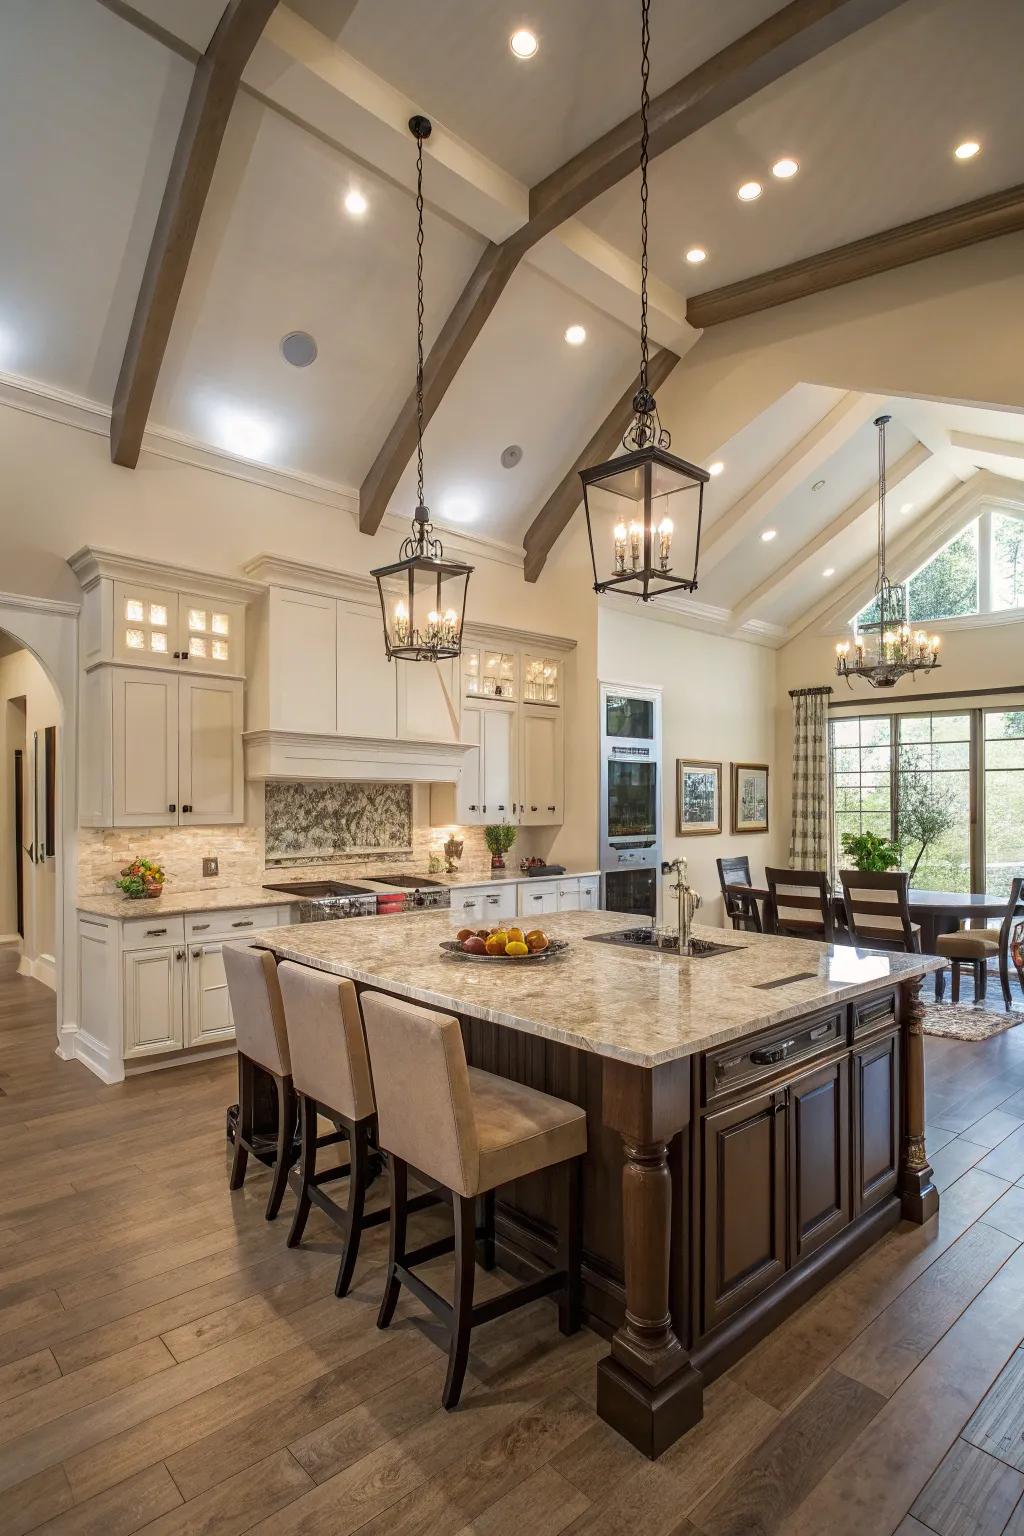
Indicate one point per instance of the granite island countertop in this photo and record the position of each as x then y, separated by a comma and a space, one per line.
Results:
638, 1006
174, 903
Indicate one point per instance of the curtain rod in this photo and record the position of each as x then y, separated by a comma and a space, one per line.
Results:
805, 693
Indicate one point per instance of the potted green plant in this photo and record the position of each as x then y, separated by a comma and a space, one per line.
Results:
499, 840
141, 878
870, 853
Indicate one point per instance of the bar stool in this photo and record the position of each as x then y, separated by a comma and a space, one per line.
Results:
262, 1040
470, 1131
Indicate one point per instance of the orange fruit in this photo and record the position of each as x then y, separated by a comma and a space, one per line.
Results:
495, 945
537, 941
517, 935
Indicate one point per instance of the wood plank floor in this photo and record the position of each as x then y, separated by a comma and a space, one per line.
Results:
167, 1366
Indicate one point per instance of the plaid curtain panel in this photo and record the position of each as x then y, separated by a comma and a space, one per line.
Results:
809, 839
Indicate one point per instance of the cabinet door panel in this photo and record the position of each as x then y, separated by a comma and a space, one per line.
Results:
367, 681
145, 721
541, 786
744, 1203
145, 624
303, 662
568, 896
211, 634
537, 897
498, 736
819, 1156
590, 893
209, 1010
469, 794
876, 1110
153, 1001
428, 702
210, 774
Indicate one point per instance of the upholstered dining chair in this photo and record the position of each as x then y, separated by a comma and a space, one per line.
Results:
801, 903
470, 1132
262, 1040
977, 946
742, 910
878, 910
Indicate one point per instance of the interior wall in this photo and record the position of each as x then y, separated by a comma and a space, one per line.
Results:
22, 678
718, 704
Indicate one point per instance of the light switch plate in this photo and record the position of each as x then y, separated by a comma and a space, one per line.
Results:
211, 866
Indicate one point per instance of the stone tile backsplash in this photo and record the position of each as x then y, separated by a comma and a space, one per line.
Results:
327, 819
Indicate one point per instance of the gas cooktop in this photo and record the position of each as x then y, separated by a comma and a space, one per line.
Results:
404, 882
314, 890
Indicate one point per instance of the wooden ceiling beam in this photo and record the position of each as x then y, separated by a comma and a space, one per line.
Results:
798, 32
214, 88
556, 514
1001, 213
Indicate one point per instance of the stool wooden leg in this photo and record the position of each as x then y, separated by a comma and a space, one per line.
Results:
357, 1178
285, 1139
485, 1250
464, 1211
396, 1239
956, 980
307, 1169
570, 1248
243, 1128
981, 985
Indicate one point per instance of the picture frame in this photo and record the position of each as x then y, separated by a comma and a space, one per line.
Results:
749, 797
698, 797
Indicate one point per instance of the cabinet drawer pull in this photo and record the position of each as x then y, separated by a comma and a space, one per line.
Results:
179, 954
537, 898
468, 904
494, 900
200, 927
155, 933
772, 1053
197, 954
246, 923
821, 1031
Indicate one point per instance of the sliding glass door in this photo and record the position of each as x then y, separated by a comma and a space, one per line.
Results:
1004, 798
933, 800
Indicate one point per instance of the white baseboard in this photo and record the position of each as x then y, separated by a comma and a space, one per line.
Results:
92, 1053
43, 968
139, 1064
10, 938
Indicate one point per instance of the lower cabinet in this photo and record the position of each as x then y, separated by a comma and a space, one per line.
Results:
744, 1203
537, 898
819, 1156
876, 1120
209, 1011
154, 1000
490, 904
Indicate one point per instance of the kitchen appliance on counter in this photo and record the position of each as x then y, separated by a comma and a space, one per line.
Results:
630, 840
375, 896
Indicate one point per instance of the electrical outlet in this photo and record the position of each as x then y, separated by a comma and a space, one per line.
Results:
211, 867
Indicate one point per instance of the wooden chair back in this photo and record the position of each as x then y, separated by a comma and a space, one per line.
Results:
878, 910
742, 910
1014, 914
801, 903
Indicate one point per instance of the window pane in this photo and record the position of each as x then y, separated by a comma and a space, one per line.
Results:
861, 778
948, 584
915, 728
1004, 754
846, 733
895, 612
934, 801
876, 731
951, 754
1007, 561
1000, 723
951, 727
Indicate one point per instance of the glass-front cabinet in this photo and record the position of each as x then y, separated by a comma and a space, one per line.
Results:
489, 674
542, 679
156, 627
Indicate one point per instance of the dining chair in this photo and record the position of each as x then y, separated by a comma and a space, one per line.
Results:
878, 910
801, 903
468, 1131
743, 910
1003, 937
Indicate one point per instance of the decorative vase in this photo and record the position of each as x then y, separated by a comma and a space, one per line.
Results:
497, 861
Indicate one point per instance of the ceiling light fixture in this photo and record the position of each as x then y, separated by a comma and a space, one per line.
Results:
696, 254
647, 493
750, 191
422, 595
523, 43
299, 348
884, 649
716, 468
355, 203
785, 168
768, 535
576, 335
967, 150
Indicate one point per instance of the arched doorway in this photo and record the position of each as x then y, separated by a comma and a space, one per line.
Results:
41, 641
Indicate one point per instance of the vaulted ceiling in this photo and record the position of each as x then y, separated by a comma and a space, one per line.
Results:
92, 95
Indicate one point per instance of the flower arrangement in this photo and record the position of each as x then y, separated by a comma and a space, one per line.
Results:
499, 840
141, 878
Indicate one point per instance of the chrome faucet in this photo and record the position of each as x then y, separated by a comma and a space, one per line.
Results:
689, 901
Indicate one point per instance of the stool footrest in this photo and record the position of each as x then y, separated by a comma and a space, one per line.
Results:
519, 1296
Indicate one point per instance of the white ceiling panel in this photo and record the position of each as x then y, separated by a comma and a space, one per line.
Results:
193, 21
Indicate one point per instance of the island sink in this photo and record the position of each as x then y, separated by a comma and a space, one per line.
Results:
644, 938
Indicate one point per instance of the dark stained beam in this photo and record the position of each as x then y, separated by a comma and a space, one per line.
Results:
556, 514
1001, 213
214, 88
795, 34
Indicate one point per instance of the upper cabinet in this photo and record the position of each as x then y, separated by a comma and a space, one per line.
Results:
490, 672
542, 679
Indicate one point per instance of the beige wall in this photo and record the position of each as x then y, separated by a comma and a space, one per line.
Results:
718, 703
22, 678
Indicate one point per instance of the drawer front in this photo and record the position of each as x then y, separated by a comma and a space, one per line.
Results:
871, 1013
151, 932
537, 897
730, 1068
235, 923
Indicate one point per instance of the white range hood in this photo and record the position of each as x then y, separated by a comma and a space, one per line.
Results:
299, 755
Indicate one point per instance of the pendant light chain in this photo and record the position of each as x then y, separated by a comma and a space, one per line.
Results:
419, 319
881, 506
645, 102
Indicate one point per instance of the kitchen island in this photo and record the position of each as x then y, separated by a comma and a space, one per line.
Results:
755, 1121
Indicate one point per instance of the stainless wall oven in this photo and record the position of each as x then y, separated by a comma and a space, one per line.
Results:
630, 799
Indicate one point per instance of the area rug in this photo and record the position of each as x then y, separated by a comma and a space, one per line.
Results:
962, 1021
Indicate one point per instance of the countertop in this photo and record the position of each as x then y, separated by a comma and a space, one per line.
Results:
638, 1006
505, 877
174, 903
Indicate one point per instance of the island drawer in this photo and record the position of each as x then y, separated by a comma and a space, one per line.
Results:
152, 932
871, 1013
749, 1061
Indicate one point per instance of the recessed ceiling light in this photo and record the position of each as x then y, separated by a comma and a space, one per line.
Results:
576, 335
967, 150
908, 506
785, 168
750, 191
829, 570
696, 254
716, 468
523, 43
768, 535
511, 456
355, 203
299, 348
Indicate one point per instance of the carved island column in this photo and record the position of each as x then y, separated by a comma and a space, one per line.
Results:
647, 1388
916, 1187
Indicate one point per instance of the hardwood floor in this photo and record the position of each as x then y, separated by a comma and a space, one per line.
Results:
167, 1366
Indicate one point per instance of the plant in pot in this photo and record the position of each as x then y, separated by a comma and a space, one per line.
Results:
870, 853
141, 878
499, 840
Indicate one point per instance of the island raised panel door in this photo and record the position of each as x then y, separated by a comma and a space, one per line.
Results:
145, 748
209, 1008
819, 1156
876, 1121
210, 771
744, 1151
540, 790
497, 751
367, 681
154, 1001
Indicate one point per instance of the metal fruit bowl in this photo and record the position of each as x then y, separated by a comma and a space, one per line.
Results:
555, 947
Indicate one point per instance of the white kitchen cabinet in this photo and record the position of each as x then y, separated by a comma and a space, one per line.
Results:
158, 626
209, 1009
428, 700
145, 624
498, 762
542, 680
367, 681
568, 895
211, 633
210, 769
541, 770
154, 1000
481, 906
144, 748
303, 661
590, 893
537, 898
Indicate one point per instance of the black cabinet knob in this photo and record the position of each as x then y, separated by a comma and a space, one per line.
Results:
186, 808
533, 807
172, 807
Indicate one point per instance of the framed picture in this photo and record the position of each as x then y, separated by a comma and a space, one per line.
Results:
750, 797
698, 797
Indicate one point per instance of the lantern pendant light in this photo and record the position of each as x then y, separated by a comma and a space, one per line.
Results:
422, 595
644, 507
884, 651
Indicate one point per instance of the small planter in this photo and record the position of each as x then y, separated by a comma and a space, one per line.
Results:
497, 862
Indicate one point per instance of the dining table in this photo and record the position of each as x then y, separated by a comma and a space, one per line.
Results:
936, 912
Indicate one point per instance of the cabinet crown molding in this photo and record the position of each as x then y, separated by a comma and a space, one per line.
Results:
91, 565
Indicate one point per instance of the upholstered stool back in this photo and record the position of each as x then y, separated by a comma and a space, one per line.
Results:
326, 1041
256, 1007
